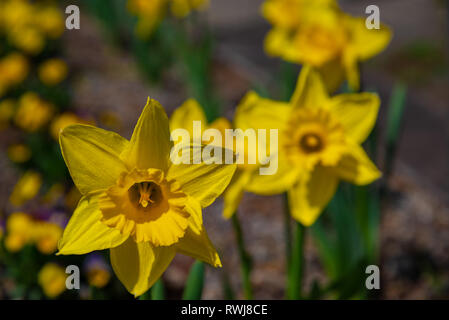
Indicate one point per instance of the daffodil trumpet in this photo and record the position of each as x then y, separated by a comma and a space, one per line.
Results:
137, 203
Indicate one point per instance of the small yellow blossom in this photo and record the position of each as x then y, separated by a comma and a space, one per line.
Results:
53, 71
28, 39
318, 33
19, 231
19, 153
26, 188
13, 70
319, 143
52, 279
136, 202
98, 273
33, 112
51, 21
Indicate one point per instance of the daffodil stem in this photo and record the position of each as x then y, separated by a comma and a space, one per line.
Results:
296, 266
287, 231
245, 258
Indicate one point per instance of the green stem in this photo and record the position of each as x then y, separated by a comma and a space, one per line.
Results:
245, 258
296, 266
287, 231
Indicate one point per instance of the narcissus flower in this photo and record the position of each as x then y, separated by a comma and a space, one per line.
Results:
319, 143
320, 34
136, 202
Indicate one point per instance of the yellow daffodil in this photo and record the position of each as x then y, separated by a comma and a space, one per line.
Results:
319, 143
26, 188
320, 34
52, 279
19, 153
33, 112
135, 201
52, 71
183, 117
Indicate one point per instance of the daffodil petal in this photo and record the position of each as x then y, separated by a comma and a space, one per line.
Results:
184, 116
204, 182
196, 242
357, 113
309, 197
333, 75
276, 183
365, 42
86, 233
139, 265
92, 156
150, 143
255, 112
233, 194
310, 89
356, 167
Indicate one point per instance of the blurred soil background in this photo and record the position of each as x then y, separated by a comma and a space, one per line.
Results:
415, 216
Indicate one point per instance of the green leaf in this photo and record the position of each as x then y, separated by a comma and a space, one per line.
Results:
195, 282
158, 291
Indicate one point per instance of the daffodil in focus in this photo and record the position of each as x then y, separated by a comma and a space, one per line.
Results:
318, 33
319, 143
26, 188
136, 202
53, 71
52, 279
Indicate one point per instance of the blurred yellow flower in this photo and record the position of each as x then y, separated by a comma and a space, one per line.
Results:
53, 71
46, 236
19, 153
7, 107
136, 202
28, 39
98, 274
320, 34
319, 143
26, 188
33, 112
51, 21
19, 231
13, 70
52, 279
151, 12
64, 120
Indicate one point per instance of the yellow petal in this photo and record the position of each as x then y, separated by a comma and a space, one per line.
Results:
356, 167
233, 194
309, 197
204, 182
150, 143
138, 265
92, 156
196, 242
351, 66
333, 75
184, 116
276, 183
85, 232
367, 43
310, 90
255, 112
357, 113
